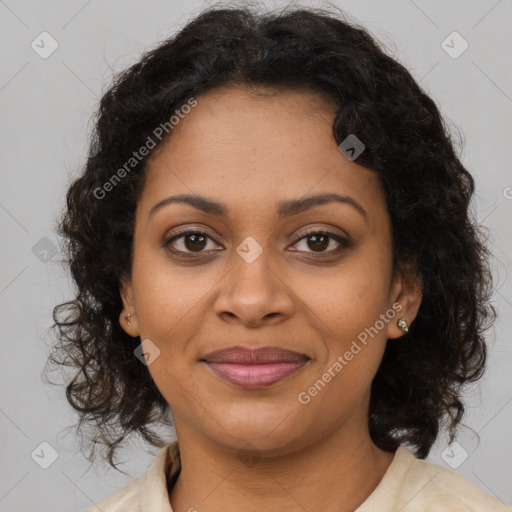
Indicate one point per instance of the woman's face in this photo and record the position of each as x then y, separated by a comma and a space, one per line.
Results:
258, 276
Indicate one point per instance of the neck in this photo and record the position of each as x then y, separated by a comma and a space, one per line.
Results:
335, 473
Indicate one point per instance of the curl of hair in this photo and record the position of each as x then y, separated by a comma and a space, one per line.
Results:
428, 193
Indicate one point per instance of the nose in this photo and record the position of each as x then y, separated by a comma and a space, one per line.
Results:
254, 293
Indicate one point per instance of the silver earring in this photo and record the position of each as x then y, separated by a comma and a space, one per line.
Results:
128, 316
402, 323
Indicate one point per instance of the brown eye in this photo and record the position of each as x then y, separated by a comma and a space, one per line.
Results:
319, 241
188, 242
195, 242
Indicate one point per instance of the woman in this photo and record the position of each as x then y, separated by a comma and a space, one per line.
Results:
271, 237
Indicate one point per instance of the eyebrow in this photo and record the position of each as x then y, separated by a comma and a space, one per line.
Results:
285, 208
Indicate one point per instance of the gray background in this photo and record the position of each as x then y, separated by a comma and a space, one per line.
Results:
46, 106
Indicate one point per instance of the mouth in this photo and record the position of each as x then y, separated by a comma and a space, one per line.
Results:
255, 368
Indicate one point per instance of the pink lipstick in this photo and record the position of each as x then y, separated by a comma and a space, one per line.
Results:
255, 368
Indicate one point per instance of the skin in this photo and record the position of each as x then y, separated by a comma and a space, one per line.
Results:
251, 152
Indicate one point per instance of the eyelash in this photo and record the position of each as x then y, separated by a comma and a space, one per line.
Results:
344, 243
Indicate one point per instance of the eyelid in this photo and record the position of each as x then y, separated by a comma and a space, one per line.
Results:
187, 231
344, 241
345, 237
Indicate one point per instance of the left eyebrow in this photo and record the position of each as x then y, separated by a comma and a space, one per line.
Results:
285, 208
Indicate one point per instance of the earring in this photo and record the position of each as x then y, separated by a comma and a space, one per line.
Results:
402, 323
128, 316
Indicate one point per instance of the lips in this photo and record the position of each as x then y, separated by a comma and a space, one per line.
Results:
263, 355
255, 368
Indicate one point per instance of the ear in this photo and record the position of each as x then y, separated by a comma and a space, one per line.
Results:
128, 323
407, 294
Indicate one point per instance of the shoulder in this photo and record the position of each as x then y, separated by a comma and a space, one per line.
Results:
126, 499
150, 492
437, 488
415, 485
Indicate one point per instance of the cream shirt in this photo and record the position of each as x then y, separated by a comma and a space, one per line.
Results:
409, 485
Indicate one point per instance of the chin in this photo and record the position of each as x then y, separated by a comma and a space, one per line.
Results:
269, 433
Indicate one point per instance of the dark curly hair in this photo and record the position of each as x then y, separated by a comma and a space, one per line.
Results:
428, 191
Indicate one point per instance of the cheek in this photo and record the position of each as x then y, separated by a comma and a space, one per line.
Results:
168, 305
348, 307
164, 295
164, 303
354, 295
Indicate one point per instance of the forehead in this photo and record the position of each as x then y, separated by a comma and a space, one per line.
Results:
259, 147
